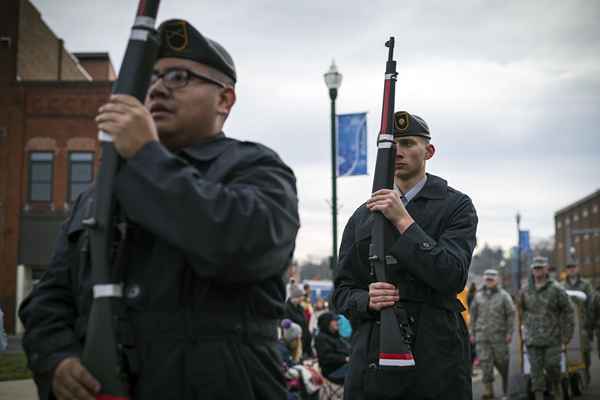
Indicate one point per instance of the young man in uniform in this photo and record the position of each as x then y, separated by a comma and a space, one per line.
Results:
211, 225
435, 238
574, 281
549, 322
492, 323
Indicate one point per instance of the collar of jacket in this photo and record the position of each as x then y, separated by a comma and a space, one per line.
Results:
490, 291
207, 150
435, 188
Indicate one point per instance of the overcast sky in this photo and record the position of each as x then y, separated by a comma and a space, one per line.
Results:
510, 90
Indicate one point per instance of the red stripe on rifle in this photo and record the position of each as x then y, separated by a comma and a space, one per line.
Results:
403, 356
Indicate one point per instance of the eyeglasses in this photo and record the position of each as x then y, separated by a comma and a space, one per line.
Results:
177, 78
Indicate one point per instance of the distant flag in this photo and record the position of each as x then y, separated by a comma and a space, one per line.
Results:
352, 144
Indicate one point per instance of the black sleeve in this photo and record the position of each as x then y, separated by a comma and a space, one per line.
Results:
242, 231
444, 264
49, 316
351, 294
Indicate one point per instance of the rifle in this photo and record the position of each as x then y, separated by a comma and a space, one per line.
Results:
100, 355
394, 334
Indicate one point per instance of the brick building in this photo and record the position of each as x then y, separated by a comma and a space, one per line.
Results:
577, 233
48, 146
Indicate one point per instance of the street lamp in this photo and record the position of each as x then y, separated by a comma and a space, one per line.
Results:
333, 80
518, 219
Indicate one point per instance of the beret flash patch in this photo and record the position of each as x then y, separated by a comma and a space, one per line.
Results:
176, 35
402, 121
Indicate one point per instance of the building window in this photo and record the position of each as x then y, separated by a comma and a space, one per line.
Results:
577, 239
584, 213
595, 209
586, 236
81, 172
567, 221
41, 167
575, 217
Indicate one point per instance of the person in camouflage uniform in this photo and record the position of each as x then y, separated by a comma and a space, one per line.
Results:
595, 317
549, 321
492, 323
575, 282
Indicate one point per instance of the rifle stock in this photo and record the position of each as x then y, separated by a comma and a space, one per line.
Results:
100, 354
394, 350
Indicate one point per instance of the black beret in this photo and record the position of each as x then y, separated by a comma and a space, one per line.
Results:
406, 124
179, 39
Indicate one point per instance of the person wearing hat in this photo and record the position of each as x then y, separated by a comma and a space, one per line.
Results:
492, 324
209, 229
333, 351
435, 228
295, 312
574, 281
549, 321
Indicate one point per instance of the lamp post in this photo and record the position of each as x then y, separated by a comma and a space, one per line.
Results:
518, 218
333, 80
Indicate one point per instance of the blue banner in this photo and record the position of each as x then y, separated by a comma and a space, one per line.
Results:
352, 144
524, 242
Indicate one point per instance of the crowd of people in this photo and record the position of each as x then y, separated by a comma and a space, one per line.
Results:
314, 348
206, 228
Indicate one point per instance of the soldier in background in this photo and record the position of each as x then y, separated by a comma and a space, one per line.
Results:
492, 323
549, 323
575, 282
595, 317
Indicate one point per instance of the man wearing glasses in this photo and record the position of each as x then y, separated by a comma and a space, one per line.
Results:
210, 229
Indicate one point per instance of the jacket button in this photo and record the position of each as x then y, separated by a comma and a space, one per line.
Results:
426, 245
133, 291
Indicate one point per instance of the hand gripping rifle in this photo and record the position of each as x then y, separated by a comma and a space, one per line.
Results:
394, 348
100, 354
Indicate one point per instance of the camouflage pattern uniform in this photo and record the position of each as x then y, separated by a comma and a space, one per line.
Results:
595, 317
492, 319
586, 323
549, 321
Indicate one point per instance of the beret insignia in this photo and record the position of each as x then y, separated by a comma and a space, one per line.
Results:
176, 36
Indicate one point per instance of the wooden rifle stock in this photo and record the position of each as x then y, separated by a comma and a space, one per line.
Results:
100, 354
394, 350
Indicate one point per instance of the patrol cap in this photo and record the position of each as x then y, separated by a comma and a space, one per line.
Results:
179, 39
539, 262
406, 124
490, 272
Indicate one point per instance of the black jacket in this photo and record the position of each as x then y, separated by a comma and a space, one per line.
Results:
210, 233
332, 349
433, 256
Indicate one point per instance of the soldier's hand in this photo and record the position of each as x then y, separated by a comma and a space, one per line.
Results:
72, 381
382, 295
508, 338
472, 339
128, 122
389, 204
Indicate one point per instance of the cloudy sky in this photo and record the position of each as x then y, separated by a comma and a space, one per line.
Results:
510, 90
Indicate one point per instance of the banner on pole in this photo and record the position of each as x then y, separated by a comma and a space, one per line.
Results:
524, 242
352, 144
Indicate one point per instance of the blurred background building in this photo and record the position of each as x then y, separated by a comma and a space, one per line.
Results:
48, 146
577, 233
